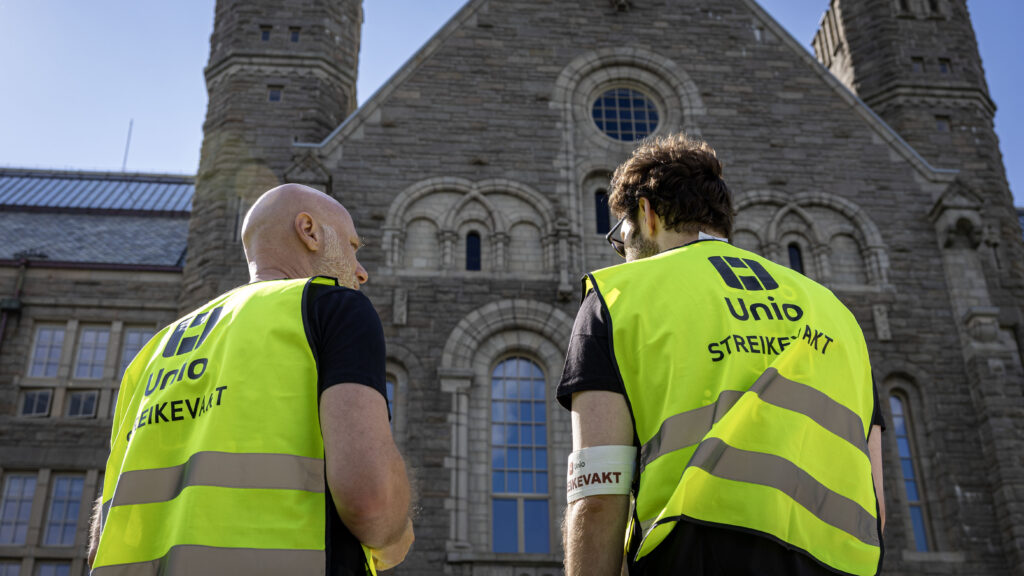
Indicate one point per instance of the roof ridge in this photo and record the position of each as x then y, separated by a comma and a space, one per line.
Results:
12, 171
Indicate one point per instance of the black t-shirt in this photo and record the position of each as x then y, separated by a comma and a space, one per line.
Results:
589, 366
347, 339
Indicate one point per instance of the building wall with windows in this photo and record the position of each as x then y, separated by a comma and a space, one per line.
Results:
476, 176
90, 269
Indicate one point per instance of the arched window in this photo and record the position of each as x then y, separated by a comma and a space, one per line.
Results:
910, 472
796, 259
390, 395
601, 213
520, 516
625, 114
473, 251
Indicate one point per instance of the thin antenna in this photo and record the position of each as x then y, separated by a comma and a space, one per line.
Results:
127, 145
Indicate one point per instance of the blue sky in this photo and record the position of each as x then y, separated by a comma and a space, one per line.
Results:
75, 73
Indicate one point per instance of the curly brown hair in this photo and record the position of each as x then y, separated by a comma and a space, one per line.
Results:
682, 179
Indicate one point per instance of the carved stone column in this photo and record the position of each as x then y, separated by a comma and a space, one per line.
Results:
448, 239
499, 243
458, 383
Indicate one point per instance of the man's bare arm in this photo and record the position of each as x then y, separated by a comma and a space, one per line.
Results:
875, 450
365, 472
595, 526
94, 529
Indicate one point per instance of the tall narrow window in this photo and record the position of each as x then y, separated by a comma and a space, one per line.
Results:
92, 353
16, 507
909, 468
917, 64
390, 395
473, 251
265, 33
134, 340
796, 259
933, 5
293, 34
65, 501
520, 521
604, 223
942, 123
46, 352
945, 66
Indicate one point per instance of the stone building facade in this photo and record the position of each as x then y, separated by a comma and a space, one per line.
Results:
476, 176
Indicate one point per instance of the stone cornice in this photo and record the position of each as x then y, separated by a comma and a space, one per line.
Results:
880, 99
237, 60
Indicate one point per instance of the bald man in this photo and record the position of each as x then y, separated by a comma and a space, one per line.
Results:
251, 436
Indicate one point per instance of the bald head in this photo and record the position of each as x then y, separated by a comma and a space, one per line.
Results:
295, 231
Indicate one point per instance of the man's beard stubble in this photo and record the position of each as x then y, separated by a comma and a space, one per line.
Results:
639, 247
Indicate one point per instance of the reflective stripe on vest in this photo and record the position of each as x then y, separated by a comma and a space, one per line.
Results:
750, 389
217, 460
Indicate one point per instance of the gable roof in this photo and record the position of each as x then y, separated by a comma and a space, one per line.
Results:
885, 132
95, 192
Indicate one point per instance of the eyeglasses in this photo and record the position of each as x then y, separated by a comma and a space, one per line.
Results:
618, 245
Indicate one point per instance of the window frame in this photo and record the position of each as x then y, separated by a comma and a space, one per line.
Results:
34, 477
82, 416
76, 366
473, 233
62, 329
520, 498
21, 402
123, 360
607, 215
649, 93
63, 523
910, 433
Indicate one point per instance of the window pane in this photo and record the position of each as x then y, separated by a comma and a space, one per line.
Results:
473, 251
504, 526
16, 507
796, 260
92, 353
134, 340
912, 495
904, 447
536, 527
908, 468
65, 501
10, 567
601, 212
46, 354
920, 537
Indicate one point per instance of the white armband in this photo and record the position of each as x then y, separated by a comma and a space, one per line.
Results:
600, 470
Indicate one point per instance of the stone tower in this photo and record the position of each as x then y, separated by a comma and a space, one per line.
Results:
279, 73
916, 64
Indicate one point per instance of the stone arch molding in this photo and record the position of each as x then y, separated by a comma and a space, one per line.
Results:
828, 223
483, 337
491, 207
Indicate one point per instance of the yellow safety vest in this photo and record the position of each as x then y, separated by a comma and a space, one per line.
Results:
751, 393
217, 462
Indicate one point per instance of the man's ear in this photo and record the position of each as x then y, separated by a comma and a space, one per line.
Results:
308, 231
649, 223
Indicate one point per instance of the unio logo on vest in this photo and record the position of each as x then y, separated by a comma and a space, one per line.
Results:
727, 266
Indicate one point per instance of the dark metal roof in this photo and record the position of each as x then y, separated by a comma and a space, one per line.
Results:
95, 192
